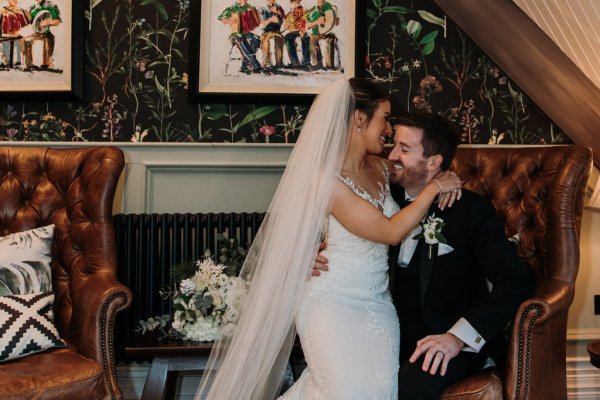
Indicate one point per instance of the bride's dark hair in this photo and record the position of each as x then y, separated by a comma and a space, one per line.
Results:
366, 96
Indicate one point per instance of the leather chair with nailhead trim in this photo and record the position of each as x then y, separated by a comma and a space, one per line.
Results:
539, 193
73, 189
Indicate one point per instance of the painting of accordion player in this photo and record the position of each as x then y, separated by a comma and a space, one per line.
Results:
12, 19
243, 19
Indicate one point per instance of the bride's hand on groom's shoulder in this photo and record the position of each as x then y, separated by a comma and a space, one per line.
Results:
450, 186
448, 199
437, 350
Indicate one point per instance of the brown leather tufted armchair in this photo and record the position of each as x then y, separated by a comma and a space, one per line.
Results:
73, 189
539, 192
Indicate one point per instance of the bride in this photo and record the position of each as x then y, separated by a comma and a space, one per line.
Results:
335, 188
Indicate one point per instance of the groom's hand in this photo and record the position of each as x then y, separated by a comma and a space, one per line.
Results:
320, 262
438, 351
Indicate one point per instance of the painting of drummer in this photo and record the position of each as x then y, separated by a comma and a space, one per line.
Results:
243, 18
43, 15
272, 18
12, 19
320, 20
295, 25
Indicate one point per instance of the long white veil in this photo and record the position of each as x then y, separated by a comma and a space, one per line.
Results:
250, 363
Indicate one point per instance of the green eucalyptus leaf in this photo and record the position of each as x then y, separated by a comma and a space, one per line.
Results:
428, 48
162, 11
413, 28
203, 301
513, 93
257, 114
159, 87
429, 38
178, 52
159, 8
396, 10
216, 111
429, 17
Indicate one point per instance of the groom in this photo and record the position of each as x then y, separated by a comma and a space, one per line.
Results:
451, 323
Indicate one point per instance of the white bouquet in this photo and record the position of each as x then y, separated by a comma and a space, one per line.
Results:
206, 303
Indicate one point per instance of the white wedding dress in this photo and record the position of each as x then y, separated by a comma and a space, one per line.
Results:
347, 323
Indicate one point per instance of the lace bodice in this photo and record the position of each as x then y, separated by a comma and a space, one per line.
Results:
381, 193
356, 264
346, 318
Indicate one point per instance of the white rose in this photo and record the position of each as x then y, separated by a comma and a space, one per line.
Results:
199, 282
217, 300
429, 236
177, 324
223, 280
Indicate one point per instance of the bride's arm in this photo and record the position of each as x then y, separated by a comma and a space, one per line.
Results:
363, 219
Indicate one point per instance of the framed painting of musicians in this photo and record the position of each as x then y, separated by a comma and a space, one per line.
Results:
41, 49
261, 50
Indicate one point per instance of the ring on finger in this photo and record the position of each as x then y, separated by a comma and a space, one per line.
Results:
441, 352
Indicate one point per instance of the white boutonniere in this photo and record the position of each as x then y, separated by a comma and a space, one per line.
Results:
432, 232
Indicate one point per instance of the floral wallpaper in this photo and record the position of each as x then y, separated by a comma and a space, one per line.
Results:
136, 78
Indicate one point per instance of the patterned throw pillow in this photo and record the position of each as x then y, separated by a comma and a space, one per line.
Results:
27, 325
25, 261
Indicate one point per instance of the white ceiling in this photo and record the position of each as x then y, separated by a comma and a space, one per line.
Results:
574, 25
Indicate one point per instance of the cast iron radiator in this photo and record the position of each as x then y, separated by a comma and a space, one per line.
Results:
147, 246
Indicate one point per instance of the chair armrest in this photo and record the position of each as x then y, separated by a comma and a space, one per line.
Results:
95, 306
539, 336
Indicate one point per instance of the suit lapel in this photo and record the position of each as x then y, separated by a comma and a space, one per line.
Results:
427, 263
426, 268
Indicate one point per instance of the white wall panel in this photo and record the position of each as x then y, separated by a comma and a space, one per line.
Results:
161, 178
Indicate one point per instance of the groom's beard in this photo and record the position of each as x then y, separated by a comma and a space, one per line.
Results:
413, 179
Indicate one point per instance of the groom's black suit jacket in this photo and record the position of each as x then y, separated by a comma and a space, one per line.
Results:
431, 295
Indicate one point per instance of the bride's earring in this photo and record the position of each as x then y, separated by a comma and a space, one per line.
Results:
359, 127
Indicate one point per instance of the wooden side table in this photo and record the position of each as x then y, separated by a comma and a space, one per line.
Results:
594, 349
169, 358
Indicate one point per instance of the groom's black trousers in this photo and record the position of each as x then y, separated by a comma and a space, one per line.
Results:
414, 384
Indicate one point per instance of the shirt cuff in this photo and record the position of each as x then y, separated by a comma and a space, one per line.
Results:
463, 330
